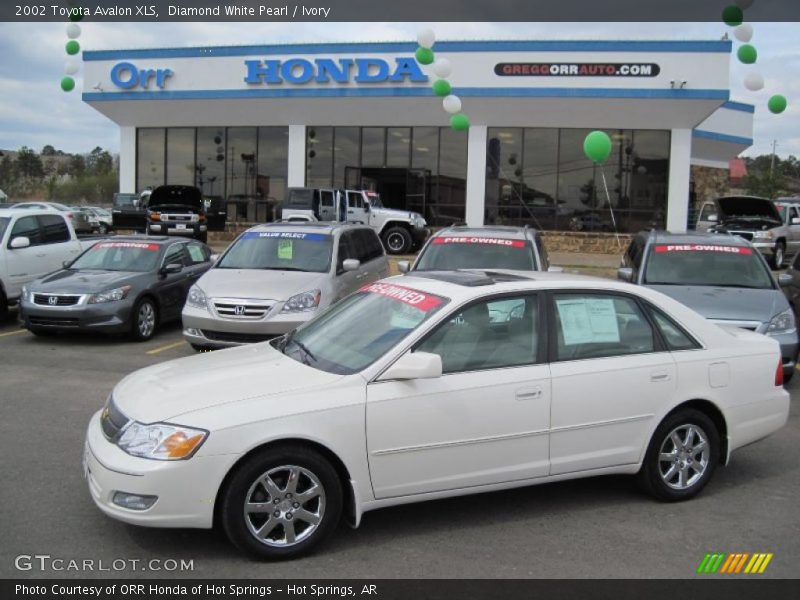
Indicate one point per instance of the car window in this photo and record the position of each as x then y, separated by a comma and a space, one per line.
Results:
706, 265
359, 244
27, 227
542, 252
175, 254
4, 221
197, 253
54, 229
374, 246
355, 200
599, 325
326, 198
447, 252
138, 256
279, 251
346, 249
488, 335
676, 338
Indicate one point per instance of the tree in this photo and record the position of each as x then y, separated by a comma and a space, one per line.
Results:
77, 166
29, 164
48, 150
765, 185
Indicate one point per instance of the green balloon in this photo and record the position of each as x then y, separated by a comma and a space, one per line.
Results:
597, 146
459, 122
777, 104
72, 47
732, 15
747, 54
67, 84
441, 87
424, 56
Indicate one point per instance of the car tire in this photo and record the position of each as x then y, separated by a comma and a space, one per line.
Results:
787, 375
144, 320
397, 240
670, 468
257, 504
102, 230
778, 255
3, 306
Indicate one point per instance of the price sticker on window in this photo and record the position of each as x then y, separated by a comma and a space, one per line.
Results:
285, 249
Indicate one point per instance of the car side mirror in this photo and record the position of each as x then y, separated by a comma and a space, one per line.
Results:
403, 266
66, 264
213, 258
351, 264
414, 365
20, 242
713, 218
785, 280
171, 268
625, 274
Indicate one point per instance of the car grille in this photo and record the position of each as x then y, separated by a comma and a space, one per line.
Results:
60, 299
236, 309
112, 421
236, 338
748, 235
179, 218
53, 322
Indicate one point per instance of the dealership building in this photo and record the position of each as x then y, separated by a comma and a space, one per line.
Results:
244, 123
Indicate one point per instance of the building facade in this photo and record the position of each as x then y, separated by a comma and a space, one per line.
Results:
244, 123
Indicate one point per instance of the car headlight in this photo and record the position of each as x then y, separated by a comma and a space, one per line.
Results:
110, 295
782, 323
762, 235
302, 302
161, 441
196, 297
419, 221
24, 294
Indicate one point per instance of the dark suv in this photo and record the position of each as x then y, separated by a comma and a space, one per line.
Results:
721, 276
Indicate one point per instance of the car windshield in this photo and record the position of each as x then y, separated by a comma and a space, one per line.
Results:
3, 224
279, 251
119, 256
454, 252
121, 200
375, 199
706, 265
782, 208
357, 331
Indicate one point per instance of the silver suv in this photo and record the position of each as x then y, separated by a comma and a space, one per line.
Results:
277, 276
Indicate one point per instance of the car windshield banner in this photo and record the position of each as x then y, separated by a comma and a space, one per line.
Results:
135, 245
703, 248
285, 235
419, 300
577, 69
479, 240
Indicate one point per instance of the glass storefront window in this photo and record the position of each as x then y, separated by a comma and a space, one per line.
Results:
345, 154
319, 156
210, 167
149, 158
272, 171
180, 156
398, 143
373, 146
425, 148
540, 176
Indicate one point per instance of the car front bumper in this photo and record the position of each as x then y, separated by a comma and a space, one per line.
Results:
419, 235
202, 328
108, 317
174, 228
186, 490
789, 348
767, 248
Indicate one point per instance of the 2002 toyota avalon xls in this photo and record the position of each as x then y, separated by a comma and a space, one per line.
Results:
426, 386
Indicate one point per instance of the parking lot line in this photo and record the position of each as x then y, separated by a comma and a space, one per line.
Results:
167, 347
21, 331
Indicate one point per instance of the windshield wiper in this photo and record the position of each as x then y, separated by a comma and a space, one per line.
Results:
289, 339
285, 269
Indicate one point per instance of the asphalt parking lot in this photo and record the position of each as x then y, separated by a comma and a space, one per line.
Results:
601, 527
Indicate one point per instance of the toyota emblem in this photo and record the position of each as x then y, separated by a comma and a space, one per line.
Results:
52, 300
238, 310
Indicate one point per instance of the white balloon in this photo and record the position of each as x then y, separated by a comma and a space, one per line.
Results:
744, 4
426, 38
754, 82
71, 66
452, 104
442, 68
744, 32
73, 31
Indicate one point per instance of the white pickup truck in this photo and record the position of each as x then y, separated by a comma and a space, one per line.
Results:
32, 244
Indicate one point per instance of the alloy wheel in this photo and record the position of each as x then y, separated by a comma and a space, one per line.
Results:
395, 242
684, 456
146, 319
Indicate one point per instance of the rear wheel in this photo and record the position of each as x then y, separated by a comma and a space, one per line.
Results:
681, 457
397, 240
143, 320
778, 255
281, 502
103, 229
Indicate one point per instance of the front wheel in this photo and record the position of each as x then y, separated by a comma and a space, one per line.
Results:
143, 320
281, 502
681, 457
103, 229
397, 240
778, 255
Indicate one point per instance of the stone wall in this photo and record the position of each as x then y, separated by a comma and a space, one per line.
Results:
709, 183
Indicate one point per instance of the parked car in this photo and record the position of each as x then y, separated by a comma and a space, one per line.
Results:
178, 210
410, 390
400, 231
493, 247
129, 211
103, 221
720, 276
126, 284
33, 242
94, 223
80, 221
775, 234
275, 277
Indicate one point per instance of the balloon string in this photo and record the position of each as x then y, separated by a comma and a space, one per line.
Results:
610, 208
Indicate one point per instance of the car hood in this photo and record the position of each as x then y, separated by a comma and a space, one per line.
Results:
167, 390
741, 206
258, 284
83, 282
735, 304
399, 214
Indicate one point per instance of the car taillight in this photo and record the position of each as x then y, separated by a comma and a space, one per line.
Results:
779, 374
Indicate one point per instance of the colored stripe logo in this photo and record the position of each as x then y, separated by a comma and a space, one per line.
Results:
735, 563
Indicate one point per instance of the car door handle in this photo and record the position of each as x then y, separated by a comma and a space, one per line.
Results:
533, 393
659, 376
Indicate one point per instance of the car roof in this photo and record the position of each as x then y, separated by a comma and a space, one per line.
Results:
325, 228
496, 231
161, 240
696, 237
10, 212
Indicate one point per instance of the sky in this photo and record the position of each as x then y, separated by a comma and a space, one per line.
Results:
34, 111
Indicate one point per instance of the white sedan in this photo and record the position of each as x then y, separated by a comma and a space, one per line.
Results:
428, 386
